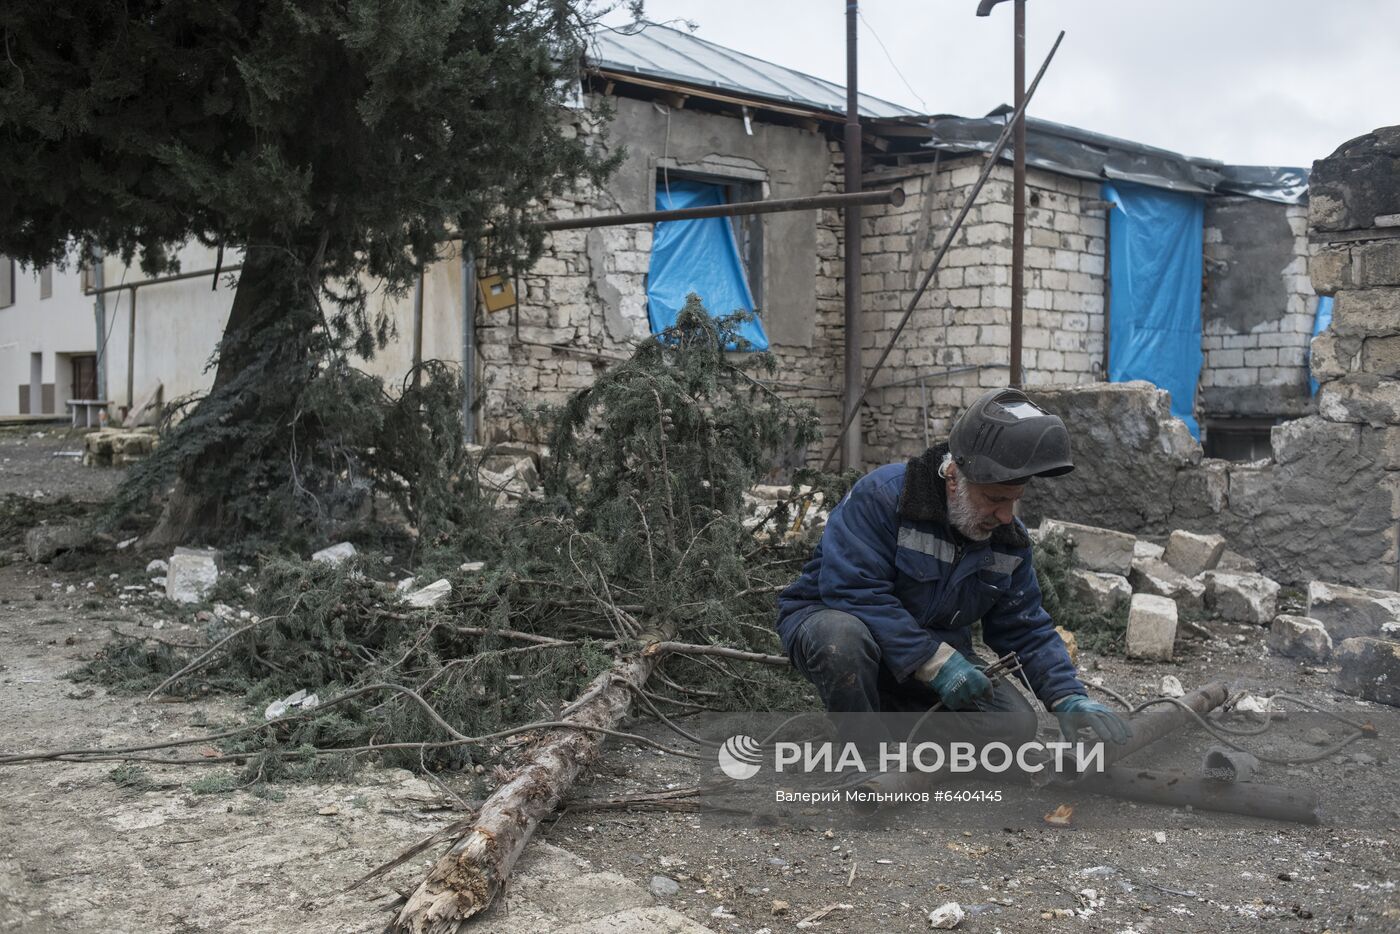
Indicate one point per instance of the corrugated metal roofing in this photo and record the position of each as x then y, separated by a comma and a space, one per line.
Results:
671, 55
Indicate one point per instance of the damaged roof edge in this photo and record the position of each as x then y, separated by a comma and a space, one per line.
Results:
1069, 150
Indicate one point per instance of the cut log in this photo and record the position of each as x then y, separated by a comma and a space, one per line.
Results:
468, 877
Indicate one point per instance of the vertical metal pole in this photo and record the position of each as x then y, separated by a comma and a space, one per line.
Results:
1018, 195
418, 331
851, 444
1107, 287
469, 344
131, 355
923, 391
99, 314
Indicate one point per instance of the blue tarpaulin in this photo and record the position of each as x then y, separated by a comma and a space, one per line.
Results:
699, 256
1155, 313
1321, 319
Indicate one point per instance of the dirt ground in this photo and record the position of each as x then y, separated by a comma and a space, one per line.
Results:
82, 852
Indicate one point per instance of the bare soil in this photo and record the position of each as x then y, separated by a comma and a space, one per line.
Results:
82, 853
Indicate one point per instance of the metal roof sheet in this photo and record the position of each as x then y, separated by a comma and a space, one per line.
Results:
663, 53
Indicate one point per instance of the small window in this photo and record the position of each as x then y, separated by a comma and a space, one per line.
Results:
46, 282
7, 282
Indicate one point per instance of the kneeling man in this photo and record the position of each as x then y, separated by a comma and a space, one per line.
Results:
880, 618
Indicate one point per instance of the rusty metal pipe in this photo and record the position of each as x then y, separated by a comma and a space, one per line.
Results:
850, 440
1148, 728
891, 196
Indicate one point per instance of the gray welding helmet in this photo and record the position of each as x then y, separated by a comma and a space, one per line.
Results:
1004, 437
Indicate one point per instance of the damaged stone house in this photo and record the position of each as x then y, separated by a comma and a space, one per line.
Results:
702, 124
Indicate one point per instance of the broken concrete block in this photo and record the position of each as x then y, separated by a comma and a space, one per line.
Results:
157, 566
429, 596
191, 576
1352, 611
1234, 561
43, 543
1102, 593
1151, 627
1146, 549
1157, 577
1244, 598
1299, 637
1191, 554
1363, 398
1370, 668
335, 555
1096, 549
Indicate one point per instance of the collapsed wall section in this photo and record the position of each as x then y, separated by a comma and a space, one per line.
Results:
1327, 505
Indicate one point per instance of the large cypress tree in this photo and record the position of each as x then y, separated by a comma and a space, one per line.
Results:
336, 142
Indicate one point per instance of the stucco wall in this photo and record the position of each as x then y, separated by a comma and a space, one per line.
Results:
53, 327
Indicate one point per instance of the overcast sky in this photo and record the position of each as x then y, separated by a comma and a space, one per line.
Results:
1265, 82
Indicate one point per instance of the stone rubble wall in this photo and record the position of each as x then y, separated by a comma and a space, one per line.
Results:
1327, 505
1258, 310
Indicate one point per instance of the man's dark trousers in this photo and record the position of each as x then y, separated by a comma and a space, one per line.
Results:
835, 651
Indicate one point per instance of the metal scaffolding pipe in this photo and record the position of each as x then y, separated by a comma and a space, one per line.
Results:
892, 196
850, 394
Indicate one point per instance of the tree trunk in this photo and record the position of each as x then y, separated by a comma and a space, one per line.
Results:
468, 876
269, 299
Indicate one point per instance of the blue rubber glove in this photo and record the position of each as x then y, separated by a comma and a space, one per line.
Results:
1077, 712
959, 683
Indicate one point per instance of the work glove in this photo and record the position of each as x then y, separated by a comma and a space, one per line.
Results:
959, 683
1077, 712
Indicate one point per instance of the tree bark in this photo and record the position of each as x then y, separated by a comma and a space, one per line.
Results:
468, 877
260, 304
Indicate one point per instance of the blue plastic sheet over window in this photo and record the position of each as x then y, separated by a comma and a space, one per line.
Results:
699, 256
1155, 317
1321, 319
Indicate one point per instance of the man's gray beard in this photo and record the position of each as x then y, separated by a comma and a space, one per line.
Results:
963, 515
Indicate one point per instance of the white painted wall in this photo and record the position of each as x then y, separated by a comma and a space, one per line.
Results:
53, 327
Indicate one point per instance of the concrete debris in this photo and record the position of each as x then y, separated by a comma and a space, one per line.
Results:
1244, 598
1171, 686
1151, 627
1145, 549
301, 700
43, 543
1234, 561
335, 555
1370, 669
946, 916
191, 576
519, 479
664, 886
429, 596
147, 411
1299, 637
1103, 593
157, 566
1096, 549
1191, 554
1352, 611
472, 567
1259, 708
118, 447
1150, 575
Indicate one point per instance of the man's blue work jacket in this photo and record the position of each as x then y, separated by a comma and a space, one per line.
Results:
891, 558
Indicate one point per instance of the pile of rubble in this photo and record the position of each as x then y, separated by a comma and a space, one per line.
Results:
509, 472
118, 447
1353, 627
